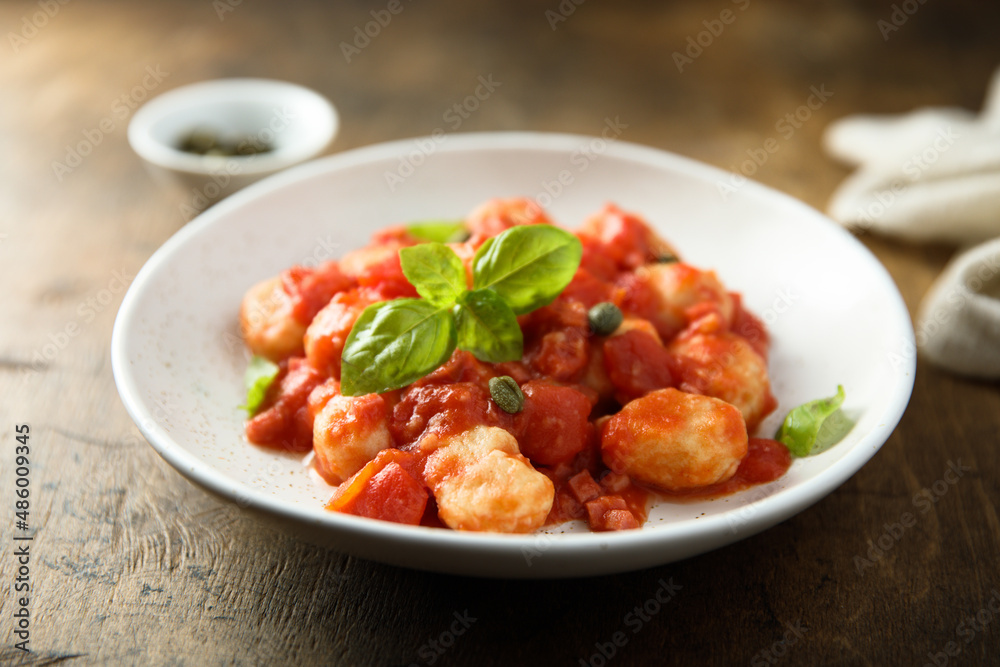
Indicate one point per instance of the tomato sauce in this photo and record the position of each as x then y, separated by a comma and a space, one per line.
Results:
571, 378
766, 461
285, 422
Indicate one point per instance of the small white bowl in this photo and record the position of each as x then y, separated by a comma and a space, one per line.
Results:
296, 122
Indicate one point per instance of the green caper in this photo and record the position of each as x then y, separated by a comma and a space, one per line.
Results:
199, 141
507, 394
604, 318
667, 258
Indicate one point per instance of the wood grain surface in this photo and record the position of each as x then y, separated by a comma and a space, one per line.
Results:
132, 564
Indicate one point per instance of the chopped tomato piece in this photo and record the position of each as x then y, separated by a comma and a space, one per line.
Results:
626, 238
619, 520
637, 364
384, 489
553, 428
499, 215
610, 513
565, 508
311, 289
328, 331
285, 421
583, 487
589, 290
386, 280
561, 354
595, 260
398, 235
440, 408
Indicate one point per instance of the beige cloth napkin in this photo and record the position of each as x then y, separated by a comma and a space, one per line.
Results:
934, 174
959, 321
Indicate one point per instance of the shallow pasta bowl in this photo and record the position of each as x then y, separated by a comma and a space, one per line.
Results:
834, 314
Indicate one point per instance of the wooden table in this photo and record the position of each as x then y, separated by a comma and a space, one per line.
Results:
132, 564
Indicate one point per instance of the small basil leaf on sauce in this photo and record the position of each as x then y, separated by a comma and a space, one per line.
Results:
528, 266
260, 375
435, 271
487, 327
439, 231
395, 343
801, 428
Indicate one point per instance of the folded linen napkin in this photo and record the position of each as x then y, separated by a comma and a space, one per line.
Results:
959, 321
932, 174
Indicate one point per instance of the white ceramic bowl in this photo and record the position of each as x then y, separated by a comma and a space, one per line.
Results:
297, 122
834, 313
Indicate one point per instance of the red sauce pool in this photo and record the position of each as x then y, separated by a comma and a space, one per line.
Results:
766, 461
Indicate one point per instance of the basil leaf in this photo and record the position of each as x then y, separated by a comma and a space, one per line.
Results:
260, 375
802, 426
527, 265
488, 328
436, 271
440, 231
395, 343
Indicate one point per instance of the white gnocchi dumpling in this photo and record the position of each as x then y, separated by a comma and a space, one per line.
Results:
267, 322
675, 440
347, 433
724, 365
679, 286
481, 482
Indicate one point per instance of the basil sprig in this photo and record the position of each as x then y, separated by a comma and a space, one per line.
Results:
396, 342
435, 271
802, 428
439, 231
259, 376
487, 327
523, 264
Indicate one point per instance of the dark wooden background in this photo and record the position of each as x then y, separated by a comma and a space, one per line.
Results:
133, 564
